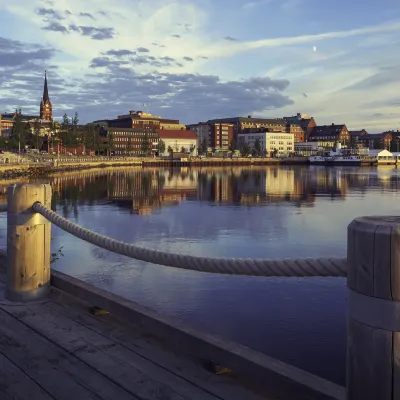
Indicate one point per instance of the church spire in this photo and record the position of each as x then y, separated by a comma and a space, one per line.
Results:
45, 90
46, 108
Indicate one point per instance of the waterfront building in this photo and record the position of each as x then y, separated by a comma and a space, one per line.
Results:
218, 135
129, 141
330, 133
140, 119
241, 123
297, 130
178, 141
270, 142
355, 138
377, 140
304, 121
203, 133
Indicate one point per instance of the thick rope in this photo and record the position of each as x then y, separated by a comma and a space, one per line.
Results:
233, 266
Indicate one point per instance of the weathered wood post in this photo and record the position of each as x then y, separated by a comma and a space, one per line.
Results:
373, 338
28, 243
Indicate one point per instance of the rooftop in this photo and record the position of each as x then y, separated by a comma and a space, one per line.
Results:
176, 134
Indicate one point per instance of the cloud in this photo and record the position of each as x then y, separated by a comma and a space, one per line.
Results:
120, 53
142, 50
87, 15
55, 27
68, 12
195, 96
297, 40
230, 38
97, 33
203, 57
21, 73
305, 95
385, 76
253, 4
176, 36
48, 12
188, 58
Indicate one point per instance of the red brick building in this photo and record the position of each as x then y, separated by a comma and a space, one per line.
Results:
221, 135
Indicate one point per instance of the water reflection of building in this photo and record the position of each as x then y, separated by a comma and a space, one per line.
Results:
146, 190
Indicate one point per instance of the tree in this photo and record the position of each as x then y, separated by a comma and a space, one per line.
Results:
202, 146
145, 145
37, 139
110, 145
161, 147
232, 145
19, 132
170, 149
183, 150
245, 150
129, 147
257, 147
192, 148
91, 138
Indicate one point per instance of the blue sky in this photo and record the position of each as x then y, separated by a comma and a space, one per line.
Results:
200, 59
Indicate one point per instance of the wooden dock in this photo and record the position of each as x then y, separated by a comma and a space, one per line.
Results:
57, 349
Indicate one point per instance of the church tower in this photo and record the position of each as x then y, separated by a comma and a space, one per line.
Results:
46, 109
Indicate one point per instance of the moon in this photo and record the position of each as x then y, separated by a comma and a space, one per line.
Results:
314, 49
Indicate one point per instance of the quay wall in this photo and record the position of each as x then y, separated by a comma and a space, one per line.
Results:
14, 170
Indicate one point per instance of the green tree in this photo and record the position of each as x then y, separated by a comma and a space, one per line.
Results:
161, 147
37, 139
110, 145
257, 147
183, 150
19, 132
91, 138
202, 146
129, 147
145, 145
245, 150
232, 145
192, 148
170, 150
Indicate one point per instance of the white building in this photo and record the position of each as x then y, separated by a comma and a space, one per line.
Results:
283, 143
178, 141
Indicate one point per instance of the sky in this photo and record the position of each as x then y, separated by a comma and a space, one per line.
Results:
195, 60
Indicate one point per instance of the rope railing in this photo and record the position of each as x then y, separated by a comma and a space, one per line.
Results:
301, 267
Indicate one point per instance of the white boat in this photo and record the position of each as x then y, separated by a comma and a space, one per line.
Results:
318, 159
338, 156
353, 159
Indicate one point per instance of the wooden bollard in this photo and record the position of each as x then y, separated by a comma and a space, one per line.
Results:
28, 243
373, 337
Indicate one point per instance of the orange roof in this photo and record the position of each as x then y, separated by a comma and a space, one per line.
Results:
176, 134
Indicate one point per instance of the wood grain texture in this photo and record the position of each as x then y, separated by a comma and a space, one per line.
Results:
17, 385
382, 262
62, 375
133, 373
149, 347
361, 243
395, 263
369, 363
28, 241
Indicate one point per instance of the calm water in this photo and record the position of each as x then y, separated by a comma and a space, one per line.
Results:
229, 212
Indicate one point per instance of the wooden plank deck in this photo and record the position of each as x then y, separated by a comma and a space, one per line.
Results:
57, 349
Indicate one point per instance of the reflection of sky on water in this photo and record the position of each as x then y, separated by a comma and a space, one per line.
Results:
262, 212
